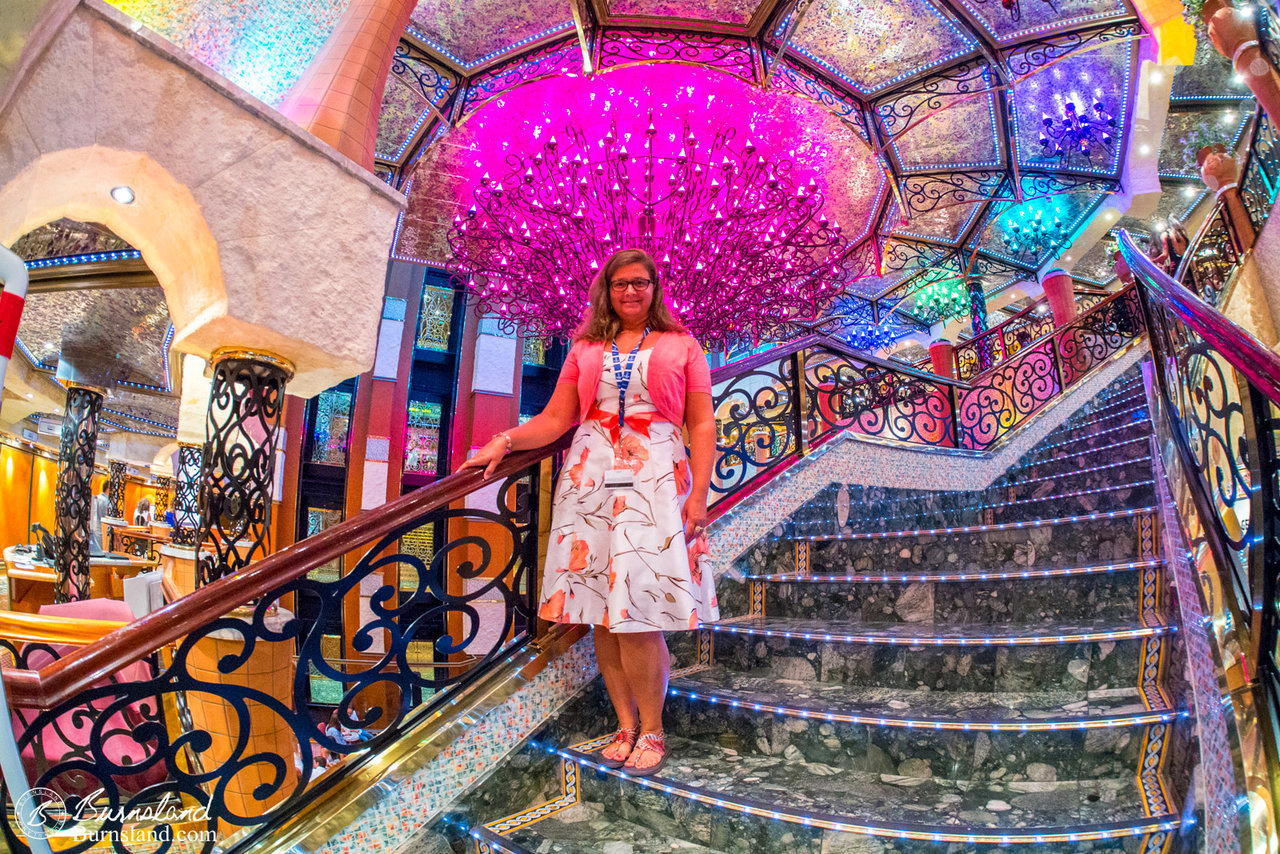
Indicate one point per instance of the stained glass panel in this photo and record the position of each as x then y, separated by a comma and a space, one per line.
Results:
420, 542
329, 432
436, 318
535, 351
317, 521
422, 438
325, 689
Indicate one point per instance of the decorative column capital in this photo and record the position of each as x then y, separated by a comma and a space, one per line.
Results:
265, 357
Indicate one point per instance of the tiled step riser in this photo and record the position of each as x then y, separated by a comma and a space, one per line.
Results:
1023, 600
729, 830
1084, 543
1078, 667
1016, 758
1091, 492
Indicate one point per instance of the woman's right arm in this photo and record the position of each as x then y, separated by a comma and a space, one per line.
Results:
560, 413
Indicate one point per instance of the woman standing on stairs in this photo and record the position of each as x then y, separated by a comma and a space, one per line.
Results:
629, 517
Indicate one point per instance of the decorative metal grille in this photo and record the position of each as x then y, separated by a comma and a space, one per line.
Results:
245, 404
535, 351
73, 497
164, 493
186, 496
115, 487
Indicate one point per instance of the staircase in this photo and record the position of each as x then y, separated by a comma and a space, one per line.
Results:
907, 671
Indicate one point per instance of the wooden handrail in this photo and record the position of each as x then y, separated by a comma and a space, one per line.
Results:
1246, 354
42, 628
62, 680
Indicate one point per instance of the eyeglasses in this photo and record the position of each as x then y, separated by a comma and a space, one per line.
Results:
639, 285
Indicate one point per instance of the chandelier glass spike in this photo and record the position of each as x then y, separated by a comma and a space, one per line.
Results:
1077, 131
942, 300
741, 244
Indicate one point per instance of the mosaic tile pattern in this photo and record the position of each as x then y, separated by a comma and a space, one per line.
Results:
263, 46
412, 804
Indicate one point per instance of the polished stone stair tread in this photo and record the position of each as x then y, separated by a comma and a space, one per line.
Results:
898, 704
587, 827
795, 789
969, 634
957, 575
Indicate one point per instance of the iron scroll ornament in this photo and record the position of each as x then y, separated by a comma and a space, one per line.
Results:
74, 494
453, 603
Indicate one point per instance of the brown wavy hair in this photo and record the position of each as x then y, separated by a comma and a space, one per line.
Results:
601, 322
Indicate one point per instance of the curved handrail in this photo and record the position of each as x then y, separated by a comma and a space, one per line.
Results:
37, 628
63, 679
1260, 365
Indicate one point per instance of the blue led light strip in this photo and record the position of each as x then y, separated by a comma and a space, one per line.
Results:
1080, 439
920, 577
945, 640
970, 529
948, 724
88, 258
1008, 836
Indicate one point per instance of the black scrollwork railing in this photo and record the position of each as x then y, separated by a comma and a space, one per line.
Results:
1260, 179
225, 724
999, 400
772, 408
1219, 388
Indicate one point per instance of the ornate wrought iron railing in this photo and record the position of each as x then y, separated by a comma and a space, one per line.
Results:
1005, 340
205, 703
1219, 391
773, 408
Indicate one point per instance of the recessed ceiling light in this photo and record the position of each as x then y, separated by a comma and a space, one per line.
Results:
1157, 77
1144, 149
29, 394
1068, 258
1189, 191
122, 194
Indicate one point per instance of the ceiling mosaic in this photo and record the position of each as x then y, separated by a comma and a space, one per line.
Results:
950, 97
67, 237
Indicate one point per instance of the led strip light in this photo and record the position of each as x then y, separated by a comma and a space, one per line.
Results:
1104, 722
945, 640
971, 529
921, 577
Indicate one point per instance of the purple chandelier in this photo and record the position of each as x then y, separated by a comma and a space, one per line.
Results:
741, 246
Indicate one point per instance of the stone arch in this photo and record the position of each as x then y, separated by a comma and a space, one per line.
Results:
164, 222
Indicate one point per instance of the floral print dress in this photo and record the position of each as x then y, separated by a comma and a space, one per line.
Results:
617, 556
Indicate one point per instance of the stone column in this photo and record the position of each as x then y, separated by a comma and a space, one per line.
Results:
246, 402
339, 96
74, 496
978, 317
1060, 291
1221, 174
943, 355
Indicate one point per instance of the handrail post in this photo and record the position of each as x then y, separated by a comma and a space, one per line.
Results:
799, 401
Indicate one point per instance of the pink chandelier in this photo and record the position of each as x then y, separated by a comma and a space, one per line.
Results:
742, 247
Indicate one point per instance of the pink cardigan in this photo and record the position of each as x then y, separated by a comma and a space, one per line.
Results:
678, 366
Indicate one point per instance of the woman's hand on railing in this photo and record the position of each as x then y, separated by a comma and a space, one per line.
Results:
489, 456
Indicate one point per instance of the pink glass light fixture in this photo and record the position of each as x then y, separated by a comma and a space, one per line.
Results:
741, 244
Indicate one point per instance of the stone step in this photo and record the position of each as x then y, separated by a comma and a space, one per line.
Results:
1112, 486
1080, 656
1087, 444
1110, 591
721, 798
1120, 451
1037, 736
1077, 540
1100, 407
587, 828
1136, 418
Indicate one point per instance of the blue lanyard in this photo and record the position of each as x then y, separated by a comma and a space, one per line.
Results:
623, 375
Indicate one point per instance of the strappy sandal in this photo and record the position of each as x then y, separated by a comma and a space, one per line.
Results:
653, 741
622, 736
